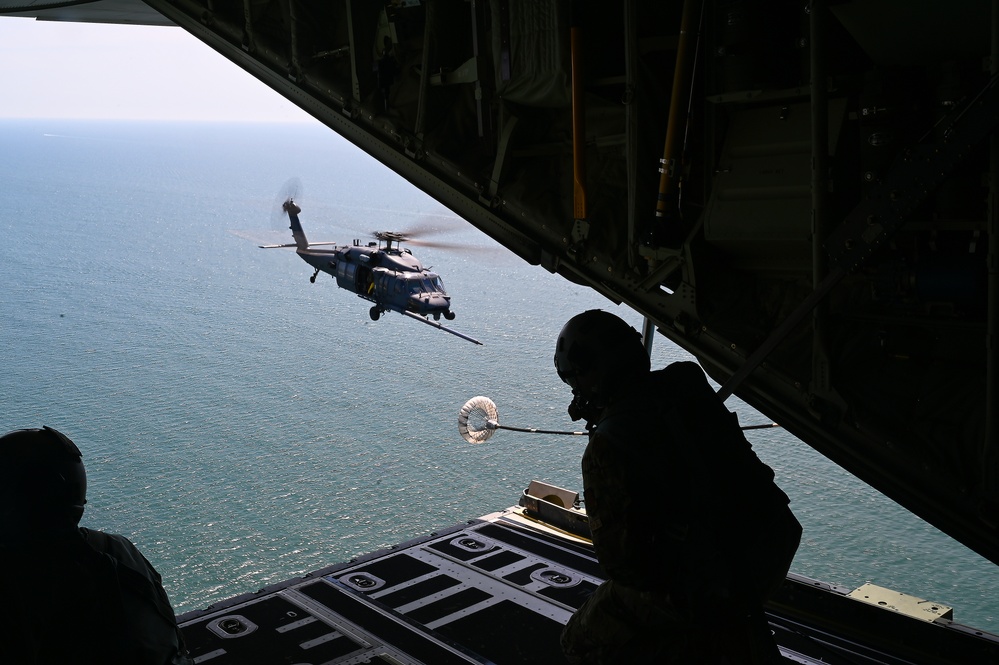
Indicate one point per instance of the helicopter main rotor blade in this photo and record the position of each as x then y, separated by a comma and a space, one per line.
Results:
429, 225
404, 238
453, 246
437, 325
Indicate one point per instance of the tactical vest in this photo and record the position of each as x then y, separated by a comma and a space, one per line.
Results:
700, 499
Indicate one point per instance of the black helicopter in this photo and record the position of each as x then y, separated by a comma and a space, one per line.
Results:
383, 272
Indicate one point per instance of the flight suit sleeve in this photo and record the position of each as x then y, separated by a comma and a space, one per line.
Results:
607, 502
153, 626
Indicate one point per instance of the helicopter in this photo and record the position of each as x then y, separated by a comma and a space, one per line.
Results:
382, 272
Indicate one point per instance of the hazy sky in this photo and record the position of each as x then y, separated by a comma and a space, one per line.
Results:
79, 70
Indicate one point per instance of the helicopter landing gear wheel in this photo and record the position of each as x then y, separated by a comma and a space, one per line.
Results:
437, 316
374, 313
449, 315
313, 278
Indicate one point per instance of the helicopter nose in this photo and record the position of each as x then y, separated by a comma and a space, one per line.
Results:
432, 302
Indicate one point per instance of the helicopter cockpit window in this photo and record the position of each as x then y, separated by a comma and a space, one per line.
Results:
438, 283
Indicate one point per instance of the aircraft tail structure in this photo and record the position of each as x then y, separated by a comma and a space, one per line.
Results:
301, 242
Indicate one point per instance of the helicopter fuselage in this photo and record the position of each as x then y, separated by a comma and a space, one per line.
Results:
390, 277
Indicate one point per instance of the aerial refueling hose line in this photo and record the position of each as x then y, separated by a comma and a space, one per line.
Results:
479, 418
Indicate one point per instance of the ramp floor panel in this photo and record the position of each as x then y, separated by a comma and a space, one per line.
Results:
441, 600
499, 590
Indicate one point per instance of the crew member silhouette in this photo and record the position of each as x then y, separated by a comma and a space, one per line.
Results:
72, 595
687, 522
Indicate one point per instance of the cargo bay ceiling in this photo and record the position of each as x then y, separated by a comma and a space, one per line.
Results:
801, 194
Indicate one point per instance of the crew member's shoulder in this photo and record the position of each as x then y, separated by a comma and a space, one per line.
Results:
118, 546
684, 370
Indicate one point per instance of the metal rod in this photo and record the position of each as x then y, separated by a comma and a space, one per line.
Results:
248, 41
475, 56
578, 116
781, 331
492, 424
821, 380
355, 83
632, 105
990, 446
648, 334
532, 430
677, 106
421, 102
293, 39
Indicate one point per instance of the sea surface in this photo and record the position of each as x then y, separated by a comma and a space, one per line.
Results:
243, 426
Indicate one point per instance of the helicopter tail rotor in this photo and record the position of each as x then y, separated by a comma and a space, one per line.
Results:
291, 190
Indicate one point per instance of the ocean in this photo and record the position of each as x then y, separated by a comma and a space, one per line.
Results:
243, 426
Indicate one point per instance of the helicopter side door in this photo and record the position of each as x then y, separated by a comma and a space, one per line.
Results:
355, 275
346, 275
364, 281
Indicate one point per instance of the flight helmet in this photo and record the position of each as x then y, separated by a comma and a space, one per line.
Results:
596, 354
43, 484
